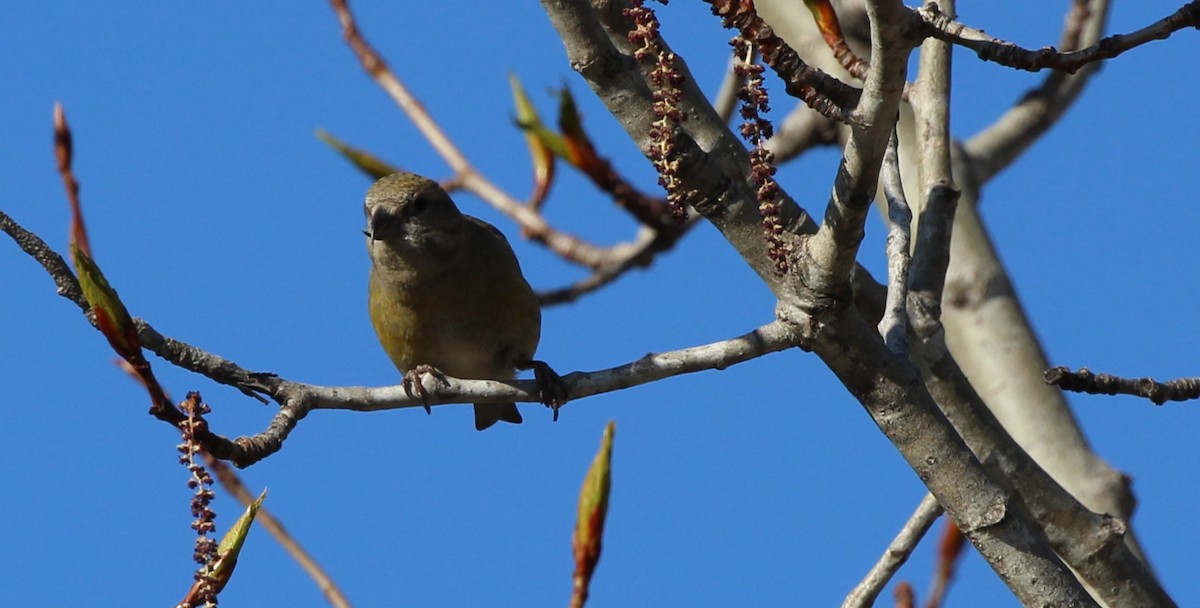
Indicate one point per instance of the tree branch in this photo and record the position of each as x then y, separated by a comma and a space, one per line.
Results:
827, 95
998, 145
830, 256
298, 399
893, 326
648, 245
1084, 381
863, 595
1005, 53
267, 520
887, 386
939, 196
532, 223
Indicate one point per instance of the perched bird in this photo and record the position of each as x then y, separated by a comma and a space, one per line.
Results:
446, 291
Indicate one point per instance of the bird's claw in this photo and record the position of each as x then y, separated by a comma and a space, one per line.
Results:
415, 389
552, 391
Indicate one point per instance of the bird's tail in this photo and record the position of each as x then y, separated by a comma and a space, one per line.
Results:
487, 414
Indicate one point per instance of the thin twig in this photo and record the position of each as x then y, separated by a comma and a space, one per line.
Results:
648, 245
769, 338
1085, 381
1002, 142
990, 48
863, 595
725, 101
233, 484
802, 130
532, 223
300, 399
297, 399
822, 92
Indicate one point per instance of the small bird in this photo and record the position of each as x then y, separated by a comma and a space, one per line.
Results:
447, 293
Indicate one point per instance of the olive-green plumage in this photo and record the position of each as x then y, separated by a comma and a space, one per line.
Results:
446, 289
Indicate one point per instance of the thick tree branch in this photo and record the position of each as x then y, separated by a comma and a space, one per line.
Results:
830, 256
887, 386
989, 514
991, 340
711, 160
1092, 544
1064, 520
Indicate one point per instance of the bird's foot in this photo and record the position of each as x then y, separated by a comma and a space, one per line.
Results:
551, 389
413, 386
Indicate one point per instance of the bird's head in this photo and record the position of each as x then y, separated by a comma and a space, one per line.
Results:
411, 216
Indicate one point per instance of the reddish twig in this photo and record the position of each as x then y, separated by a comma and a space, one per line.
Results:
233, 484
822, 92
532, 223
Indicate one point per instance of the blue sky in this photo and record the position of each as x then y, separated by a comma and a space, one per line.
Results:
222, 220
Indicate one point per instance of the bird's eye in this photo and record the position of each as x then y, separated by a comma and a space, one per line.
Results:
420, 205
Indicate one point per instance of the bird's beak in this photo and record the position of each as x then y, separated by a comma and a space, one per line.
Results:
373, 222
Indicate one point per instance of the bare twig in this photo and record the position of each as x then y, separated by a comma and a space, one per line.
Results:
802, 130
822, 92
949, 554
834, 248
532, 223
297, 399
1085, 381
1005, 53
863, 595
769, 338
1001, 143
893, 326
233, 484
639, 254
725, 101
184, 355
931, 257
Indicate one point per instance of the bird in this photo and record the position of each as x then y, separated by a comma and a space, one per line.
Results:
447, 295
